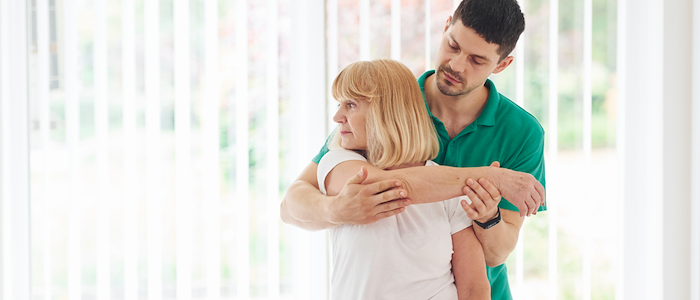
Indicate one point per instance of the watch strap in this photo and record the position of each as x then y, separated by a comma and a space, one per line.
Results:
490, 223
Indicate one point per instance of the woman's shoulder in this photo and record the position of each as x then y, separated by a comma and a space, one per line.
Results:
340, 155
330, 161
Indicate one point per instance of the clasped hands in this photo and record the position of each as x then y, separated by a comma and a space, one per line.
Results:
359, 203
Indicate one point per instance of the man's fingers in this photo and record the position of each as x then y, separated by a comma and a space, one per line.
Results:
477, 202
495, 164
390, 195
359, 177
389, 206
490, 188
382, 186
471, 213
478, 189
387, 214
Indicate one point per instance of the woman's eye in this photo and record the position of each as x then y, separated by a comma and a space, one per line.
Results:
351, 105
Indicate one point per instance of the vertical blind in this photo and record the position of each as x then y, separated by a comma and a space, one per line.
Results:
164, 134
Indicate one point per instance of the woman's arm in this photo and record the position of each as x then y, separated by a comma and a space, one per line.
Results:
306, 207
434, 183
419, 184
469, 267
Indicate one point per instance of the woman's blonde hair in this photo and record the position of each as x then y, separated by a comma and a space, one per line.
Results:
399, 129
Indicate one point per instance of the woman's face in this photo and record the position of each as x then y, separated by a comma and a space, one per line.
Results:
351, 119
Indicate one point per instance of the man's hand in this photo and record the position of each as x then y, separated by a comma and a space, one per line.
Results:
521, 189
363, 204
484, 198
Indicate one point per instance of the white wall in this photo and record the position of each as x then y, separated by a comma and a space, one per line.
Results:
14, 150
655, 146
308, 99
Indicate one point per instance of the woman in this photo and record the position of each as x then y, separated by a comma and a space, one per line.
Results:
383, 119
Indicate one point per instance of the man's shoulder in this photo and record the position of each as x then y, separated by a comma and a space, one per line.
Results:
512, 115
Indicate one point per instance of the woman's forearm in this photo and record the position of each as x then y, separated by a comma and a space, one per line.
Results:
435, 183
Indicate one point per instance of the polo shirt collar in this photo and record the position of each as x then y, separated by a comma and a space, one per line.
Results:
487, 116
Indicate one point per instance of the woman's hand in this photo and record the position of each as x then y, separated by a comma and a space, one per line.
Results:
484, 198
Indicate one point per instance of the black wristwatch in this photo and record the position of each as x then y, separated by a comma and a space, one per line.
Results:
490, 223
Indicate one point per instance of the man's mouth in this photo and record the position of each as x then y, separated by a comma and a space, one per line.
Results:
451, 78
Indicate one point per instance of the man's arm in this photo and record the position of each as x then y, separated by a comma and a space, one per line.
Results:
500, 240
376, 194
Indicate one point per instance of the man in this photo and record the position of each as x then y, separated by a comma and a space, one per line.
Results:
475, 125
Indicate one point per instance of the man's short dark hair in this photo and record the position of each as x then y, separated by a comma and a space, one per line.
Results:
497, 21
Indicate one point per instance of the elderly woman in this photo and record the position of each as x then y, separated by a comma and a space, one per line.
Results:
429, 251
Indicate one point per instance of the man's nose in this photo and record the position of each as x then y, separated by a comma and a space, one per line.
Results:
458, 64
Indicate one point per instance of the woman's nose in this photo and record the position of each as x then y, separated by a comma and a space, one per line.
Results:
338, 117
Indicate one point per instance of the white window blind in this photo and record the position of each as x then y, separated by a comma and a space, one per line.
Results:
164, 134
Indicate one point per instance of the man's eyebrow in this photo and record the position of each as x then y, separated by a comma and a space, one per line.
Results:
452, 39
449, 35
480, 57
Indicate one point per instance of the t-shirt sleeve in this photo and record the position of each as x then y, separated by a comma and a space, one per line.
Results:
456, 215
529, 160
330, 160
324, 149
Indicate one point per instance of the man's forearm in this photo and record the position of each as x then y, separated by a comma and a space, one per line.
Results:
303, 207
500, 240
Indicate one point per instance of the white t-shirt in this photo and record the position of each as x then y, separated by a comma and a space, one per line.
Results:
406, 256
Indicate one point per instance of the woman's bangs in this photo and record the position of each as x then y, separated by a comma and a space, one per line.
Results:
352, 83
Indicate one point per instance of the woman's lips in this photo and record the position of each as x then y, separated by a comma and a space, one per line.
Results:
344, 132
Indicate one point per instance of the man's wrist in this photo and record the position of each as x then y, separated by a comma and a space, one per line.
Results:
492, 222
330, 216
489, 217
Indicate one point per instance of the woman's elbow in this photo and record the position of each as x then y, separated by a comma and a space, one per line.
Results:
477, 291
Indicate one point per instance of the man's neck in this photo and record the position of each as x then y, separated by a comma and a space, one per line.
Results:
456, 112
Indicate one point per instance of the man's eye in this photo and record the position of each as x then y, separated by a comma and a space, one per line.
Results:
476, 62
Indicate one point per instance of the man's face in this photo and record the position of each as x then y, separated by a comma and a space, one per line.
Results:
465, 60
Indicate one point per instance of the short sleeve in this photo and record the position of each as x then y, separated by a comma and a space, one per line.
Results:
456, 215
330, 160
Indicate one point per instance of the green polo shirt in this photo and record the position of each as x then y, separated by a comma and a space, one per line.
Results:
503, 132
